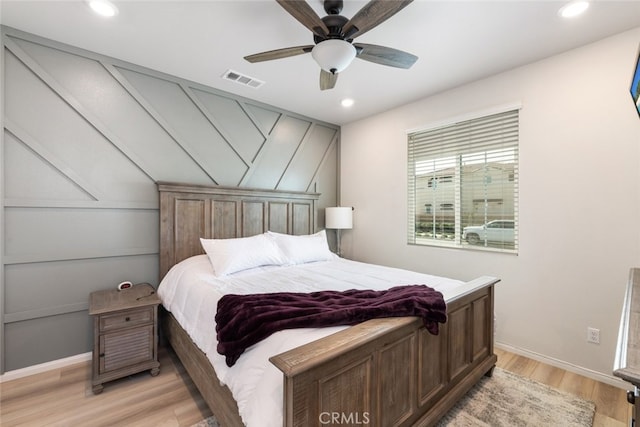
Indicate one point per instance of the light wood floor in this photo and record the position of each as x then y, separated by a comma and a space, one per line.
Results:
612, 408
62, 397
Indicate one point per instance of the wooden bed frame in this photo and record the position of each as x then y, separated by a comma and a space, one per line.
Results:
383, 372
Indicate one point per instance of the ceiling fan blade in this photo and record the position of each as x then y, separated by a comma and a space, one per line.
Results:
327, 80
372, 14
279, 53
385, 55
305, 15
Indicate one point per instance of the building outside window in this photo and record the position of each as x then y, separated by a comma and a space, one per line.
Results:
463, 184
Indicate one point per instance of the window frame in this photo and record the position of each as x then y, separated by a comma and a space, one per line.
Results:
455, 153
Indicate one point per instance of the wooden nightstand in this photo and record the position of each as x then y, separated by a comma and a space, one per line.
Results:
125, 329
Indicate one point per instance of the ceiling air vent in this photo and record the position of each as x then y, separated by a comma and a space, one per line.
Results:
242, 79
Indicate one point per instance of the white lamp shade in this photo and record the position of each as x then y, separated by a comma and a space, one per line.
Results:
333, 55
339, 218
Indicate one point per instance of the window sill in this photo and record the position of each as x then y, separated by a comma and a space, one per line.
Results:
465, 246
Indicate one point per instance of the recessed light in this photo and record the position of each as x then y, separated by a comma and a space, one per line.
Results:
347, 102
103, 7
573, 8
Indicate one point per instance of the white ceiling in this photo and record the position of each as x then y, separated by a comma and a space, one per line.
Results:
456, 42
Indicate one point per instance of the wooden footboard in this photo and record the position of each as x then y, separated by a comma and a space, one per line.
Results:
383, 372
391, 372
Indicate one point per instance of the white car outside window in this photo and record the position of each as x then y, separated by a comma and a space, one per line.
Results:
501, 231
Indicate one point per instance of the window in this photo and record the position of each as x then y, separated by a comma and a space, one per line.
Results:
466, 174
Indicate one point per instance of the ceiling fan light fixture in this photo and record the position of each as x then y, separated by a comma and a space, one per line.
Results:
333, 55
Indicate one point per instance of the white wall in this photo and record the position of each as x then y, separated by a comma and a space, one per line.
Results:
579, 198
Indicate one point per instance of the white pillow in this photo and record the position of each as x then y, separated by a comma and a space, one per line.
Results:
303, 249
229, 256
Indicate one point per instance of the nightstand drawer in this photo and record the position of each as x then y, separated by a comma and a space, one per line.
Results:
125, 319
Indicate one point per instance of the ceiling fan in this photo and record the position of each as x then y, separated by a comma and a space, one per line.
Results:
333, 36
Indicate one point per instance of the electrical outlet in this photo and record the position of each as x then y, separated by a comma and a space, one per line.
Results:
593, 335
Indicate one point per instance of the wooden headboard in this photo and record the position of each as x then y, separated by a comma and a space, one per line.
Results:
189, 212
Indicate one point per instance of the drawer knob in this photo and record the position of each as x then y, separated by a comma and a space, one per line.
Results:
126, 319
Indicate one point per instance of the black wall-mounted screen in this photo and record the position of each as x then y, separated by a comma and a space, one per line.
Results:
635, 85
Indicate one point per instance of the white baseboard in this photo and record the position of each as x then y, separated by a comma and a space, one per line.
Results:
44, 367
594, 375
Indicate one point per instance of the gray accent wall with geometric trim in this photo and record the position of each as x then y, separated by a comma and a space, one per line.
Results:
85, 139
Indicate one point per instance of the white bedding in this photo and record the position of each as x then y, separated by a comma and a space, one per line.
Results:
190, 291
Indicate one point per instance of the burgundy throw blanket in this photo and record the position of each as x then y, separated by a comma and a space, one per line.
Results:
244, 320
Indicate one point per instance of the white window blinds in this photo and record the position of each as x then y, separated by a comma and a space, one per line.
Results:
463, 183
